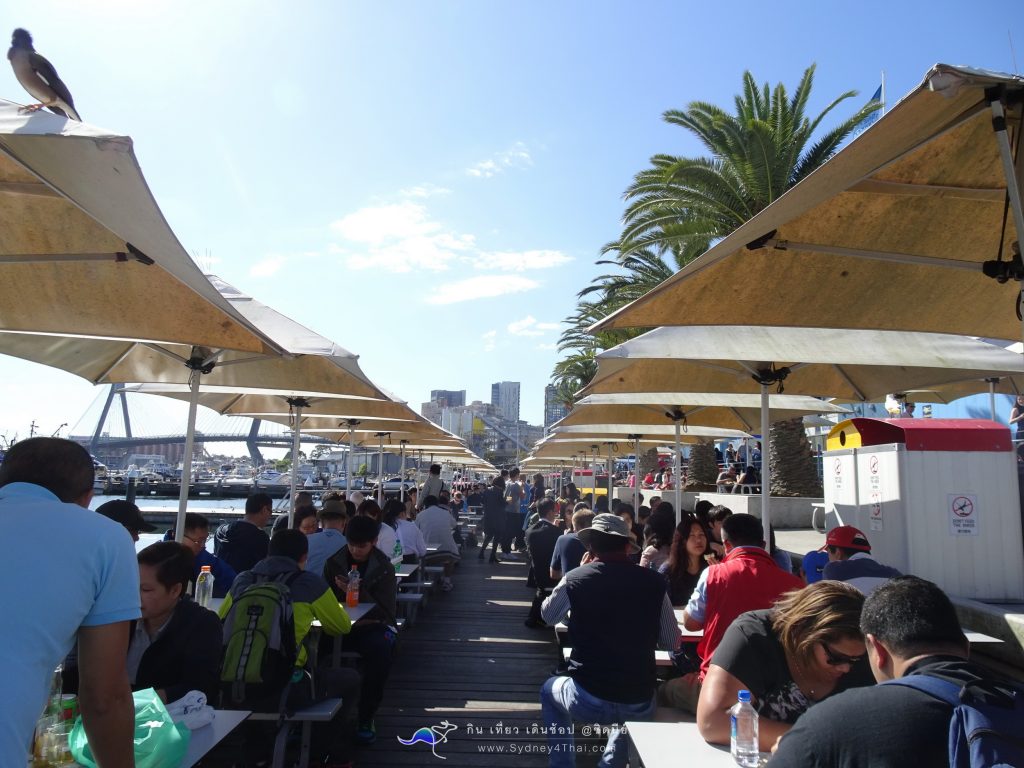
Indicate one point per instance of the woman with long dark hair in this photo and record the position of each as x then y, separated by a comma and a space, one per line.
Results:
685, 560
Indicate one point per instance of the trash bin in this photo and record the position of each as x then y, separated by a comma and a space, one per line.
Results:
937, 498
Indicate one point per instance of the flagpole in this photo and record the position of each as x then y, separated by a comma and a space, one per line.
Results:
883, 91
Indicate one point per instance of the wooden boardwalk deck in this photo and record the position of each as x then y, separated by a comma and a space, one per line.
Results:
470, 661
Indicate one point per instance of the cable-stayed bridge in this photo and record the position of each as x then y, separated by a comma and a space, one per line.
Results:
112, 430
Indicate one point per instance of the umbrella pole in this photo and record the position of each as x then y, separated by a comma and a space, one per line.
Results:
593, 473
380, 470
611, 483
186, 462
296, 405
636, 474
351, 460
677, 464
766, 477
992, 397
401, 483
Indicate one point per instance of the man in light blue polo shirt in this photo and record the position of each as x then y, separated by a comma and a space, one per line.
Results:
71, 573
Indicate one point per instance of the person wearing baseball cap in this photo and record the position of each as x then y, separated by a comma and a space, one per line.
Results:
127, 514
849, 560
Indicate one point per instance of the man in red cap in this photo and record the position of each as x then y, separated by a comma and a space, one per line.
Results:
849, 555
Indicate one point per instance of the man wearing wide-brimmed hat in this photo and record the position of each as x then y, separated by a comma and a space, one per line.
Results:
620, 613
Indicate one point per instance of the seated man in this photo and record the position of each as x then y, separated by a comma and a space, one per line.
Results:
373, 636
438, 527
175, 647
197, 533
324, 545
849, 556
128, 515
243, 543
540, 543
912, 632
311, 600
619, 614
569, 549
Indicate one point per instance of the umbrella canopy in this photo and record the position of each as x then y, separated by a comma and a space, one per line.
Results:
850, 365
87, 252
690, 434
734, 411
891, 233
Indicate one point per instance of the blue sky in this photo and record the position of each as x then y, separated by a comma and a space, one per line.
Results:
429, 184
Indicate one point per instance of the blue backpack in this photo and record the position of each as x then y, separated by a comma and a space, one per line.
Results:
987, 727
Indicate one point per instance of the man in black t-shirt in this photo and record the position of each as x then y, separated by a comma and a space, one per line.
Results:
620, 613
244, 543
910, 628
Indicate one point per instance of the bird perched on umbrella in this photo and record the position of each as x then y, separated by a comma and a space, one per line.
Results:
39, 78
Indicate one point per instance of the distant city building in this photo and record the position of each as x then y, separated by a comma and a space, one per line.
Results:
554, 408
505, 395
448, 398
432, 412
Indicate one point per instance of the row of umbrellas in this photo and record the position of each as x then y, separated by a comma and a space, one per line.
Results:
97, 284
874, 275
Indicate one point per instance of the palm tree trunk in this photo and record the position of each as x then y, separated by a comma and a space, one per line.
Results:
794, 472
703, 469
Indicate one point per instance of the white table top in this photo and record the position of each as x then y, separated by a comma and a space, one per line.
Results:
406, 569
206, 738
660, 745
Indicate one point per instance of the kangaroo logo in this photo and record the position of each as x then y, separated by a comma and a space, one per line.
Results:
434, 735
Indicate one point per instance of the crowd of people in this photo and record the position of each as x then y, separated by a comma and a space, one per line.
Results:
119, 621
808, 646
803, 643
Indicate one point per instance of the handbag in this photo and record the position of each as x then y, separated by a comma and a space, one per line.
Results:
159, 742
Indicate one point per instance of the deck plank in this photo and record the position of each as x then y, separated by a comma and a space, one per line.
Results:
469, 660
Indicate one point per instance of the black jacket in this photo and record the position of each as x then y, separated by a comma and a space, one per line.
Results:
377, 585
494, 511
241, 545
186, 655
540, 541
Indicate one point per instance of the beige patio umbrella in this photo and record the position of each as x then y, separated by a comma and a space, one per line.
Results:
309, 359
914, 226
854, 364
680, 409
86, 252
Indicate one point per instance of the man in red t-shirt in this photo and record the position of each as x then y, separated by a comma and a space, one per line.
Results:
746, 580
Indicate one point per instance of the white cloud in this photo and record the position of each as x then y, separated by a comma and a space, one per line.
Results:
515, 261
402, 237
399, 237
273, 263
516, 156
529, 326
424, 190
552, 345
489, 339
482, 287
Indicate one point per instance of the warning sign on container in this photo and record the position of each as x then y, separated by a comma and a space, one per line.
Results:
963, 514
875, 512
873, 465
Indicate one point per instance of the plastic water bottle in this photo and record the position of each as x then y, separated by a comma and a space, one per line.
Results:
397, 553
352, 593
743, 741
204, 586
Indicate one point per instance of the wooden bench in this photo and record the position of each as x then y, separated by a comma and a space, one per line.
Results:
320, 712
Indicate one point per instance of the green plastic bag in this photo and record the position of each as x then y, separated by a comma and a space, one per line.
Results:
159, 743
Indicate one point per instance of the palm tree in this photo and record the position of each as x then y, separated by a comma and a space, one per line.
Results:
572, 374
680, 205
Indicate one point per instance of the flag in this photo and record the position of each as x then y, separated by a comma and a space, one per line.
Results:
870, 120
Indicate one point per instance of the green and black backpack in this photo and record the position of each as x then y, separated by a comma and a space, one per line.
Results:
259, 645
